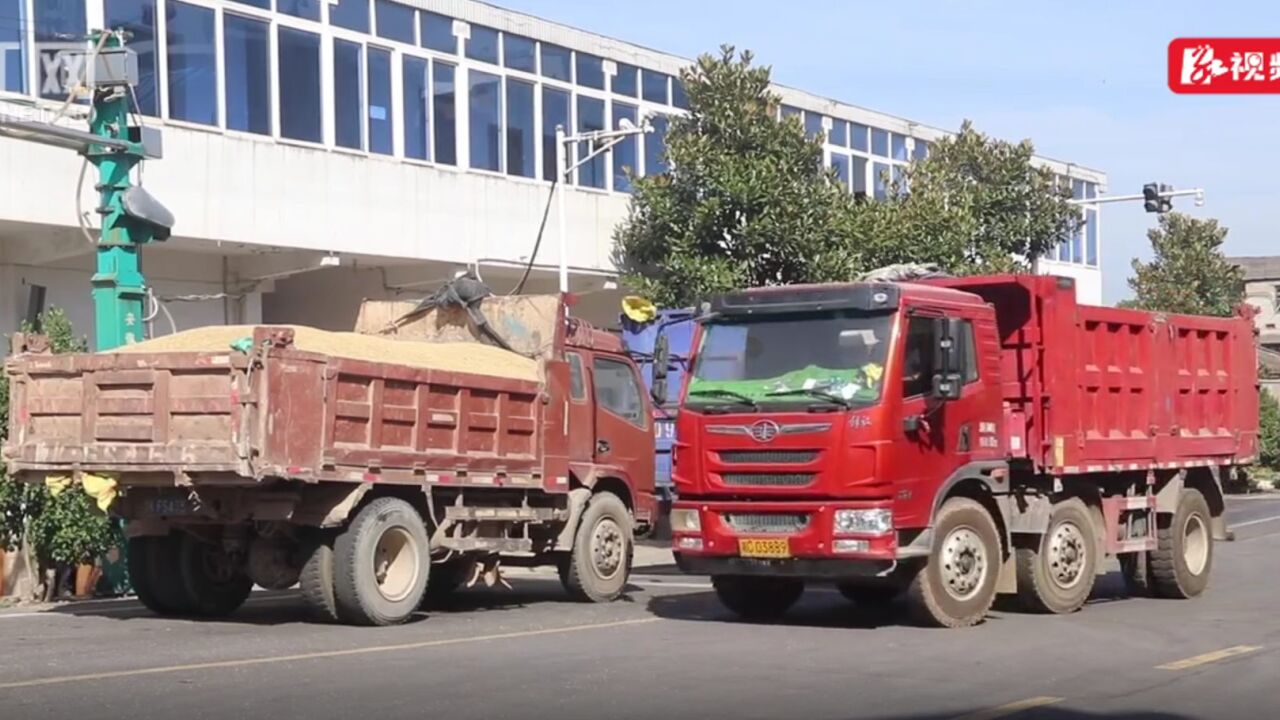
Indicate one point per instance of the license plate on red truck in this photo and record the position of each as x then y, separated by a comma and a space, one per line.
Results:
764, 547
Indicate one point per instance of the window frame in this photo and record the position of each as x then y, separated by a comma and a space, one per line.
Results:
644, 418
968, 342
580, 394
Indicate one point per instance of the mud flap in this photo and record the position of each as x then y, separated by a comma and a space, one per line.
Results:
1008, 582
578, 498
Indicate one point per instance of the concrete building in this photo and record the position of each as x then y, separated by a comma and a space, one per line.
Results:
1262, 290
400, 139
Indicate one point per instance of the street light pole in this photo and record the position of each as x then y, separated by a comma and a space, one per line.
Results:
563, 178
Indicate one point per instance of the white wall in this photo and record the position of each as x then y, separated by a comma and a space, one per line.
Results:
1088, 279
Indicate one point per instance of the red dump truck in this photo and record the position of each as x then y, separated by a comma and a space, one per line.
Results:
952, 439
373, 483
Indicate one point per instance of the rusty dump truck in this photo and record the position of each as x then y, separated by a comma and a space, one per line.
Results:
372, 481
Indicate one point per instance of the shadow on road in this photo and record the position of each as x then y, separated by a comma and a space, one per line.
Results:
1049, 712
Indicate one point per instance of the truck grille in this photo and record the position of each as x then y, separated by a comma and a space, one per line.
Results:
766, 522
780, 457
767, 479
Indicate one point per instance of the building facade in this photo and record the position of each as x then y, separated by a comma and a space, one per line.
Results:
1262, 290
318, 152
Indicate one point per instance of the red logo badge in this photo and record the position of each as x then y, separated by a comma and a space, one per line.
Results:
1224, 65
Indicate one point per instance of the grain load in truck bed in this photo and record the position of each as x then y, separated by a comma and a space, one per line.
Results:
465, 357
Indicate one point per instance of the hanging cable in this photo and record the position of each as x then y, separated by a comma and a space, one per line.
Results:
537, 243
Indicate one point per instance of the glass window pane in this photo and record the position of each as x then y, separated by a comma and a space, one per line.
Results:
921, 150
858, 174
627, 82
483, 44
789, 111
899, 177
590, 71
300, 115
839, 134
139, 18
308, 9
1090, 190
264, 4
617, 391
899, 147
348, 101
193, 65
518, 53
417, 128
485, 104
59, 25
812, 124
678, 96
395, 21
437, 32
920, 355
858, 137
590, 117
880, 171
555, 111
381, 125
444, 112
246, 50
654, 86
625, 152
840, 163
879, 142
520, 128
557, 62
13, 40
1091, 230
577, 379
1077, 189
1064, 251
655, 146
350, 14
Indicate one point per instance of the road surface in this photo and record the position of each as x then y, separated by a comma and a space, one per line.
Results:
669, 651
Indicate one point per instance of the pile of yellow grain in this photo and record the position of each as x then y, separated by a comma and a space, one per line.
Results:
452, 356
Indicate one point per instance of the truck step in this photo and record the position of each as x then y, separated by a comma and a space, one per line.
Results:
504, 513
496, 545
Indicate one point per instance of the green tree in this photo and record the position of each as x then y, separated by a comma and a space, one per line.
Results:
746, 201
1188, 272
1268, 431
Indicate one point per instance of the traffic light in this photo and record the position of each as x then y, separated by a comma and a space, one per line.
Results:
1166, 202
1154, 199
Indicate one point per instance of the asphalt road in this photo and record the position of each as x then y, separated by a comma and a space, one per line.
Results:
669, 651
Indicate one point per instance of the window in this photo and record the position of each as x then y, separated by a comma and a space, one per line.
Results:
624, 153
557, 62
193, 63
395, 21
813, 124
1064, 251
417, 127
520, 128
678, 96
880, 172
590, 71
899, 177
307, 9
555, 111
626, 82
969, 352
590, 117
246, 48
518, 53
577, 383
920, 151
840, 163
13, 40
899, 147
437, 32
139, 18
859, 175
485, 104
300, 114
655, 146
444, 112
917, 366
654, 87
264, 4
348, 95
858, 137
617, 391
879, 142
1091, 244
790, 111
349, 14
381, 126
55, 21
839, 134
483, 44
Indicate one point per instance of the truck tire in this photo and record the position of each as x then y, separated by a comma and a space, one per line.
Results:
600, 562
1183, 557
316, 578
957, 585
214, 579
154, 575
758, 599
1135, 569
1057, 576
381, 563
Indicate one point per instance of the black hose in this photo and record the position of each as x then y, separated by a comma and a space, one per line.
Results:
546, 213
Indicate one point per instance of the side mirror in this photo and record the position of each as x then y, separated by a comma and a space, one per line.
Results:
949, 358
660, 369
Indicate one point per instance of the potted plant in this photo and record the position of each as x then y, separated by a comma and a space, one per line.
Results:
69, 534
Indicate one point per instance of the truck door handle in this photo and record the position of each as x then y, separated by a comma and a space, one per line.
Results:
602, 447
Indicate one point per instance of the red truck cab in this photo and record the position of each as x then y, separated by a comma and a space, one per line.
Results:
918, 437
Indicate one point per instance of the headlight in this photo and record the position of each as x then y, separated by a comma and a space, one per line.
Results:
685, 520
877, 521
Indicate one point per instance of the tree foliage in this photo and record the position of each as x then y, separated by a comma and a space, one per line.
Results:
1269, 430
1188, 272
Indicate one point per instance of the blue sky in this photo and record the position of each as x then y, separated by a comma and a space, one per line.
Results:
1086, 81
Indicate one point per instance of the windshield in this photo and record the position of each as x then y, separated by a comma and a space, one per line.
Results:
839, 357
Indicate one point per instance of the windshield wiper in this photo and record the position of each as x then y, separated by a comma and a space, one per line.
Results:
816, 393
716, 392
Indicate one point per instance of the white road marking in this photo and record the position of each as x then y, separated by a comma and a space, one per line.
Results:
1251, 523
1210, 657
1010, 709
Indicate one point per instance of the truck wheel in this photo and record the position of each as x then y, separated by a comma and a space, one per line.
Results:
758, 599
1183, 556
870, 596
381, 563
316, 579
1058, 576
600, 562
957, 586
153, 573
214, 579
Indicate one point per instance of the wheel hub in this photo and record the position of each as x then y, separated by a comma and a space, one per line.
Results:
1195, 544
964, 563
1067, 553
395, 564
607, 548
